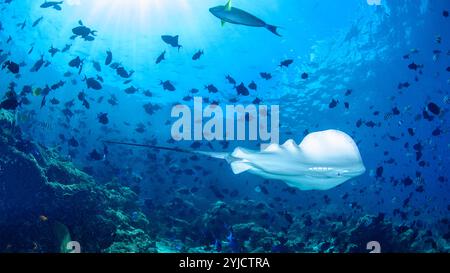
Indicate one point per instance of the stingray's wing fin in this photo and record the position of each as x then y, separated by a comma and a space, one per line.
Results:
237, 159
239, 162
240, 166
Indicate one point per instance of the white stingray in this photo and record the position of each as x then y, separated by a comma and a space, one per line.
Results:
322, 161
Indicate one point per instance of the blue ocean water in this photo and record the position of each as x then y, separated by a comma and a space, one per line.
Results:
376, 71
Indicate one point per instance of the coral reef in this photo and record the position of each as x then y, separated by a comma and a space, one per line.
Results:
42, 197
256, 227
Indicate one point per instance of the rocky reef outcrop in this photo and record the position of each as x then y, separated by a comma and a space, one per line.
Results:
46, 202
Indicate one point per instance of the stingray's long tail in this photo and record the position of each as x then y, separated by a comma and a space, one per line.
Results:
224, 156
148, 146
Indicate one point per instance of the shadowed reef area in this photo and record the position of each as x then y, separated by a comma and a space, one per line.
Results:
44, 201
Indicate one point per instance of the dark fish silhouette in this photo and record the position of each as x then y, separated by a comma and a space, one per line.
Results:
97, 66
77, 62
84, 32
108, 57
197, 55
113, 100
58, 85
103, 118
43, 101
211, 88
35, 23
123, 73
96, 156
10, 104
66, 48
12, 67
231, 80
436, 132
171, 40
53, 51
92, 83
187, 98
256, 101
22, 25
434, 108
286, 63
265, 75
115, 65
31, 49
414, 66
242, 90
151, 108
161, 57
333, 103
131, 90
167, 85
37, 66
3, 56
52, 4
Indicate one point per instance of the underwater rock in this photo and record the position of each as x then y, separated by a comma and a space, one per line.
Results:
223, 214
65, 173
46, 202
6, 125
21, 179
131, 241
372, 228
174, 219
216, 219
254, 238
6, 118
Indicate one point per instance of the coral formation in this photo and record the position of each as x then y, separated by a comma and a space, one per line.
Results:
255, 227
41, 194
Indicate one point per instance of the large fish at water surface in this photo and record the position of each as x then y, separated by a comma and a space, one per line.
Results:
229, 14
322, 161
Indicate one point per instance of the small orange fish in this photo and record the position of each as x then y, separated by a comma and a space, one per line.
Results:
43, 218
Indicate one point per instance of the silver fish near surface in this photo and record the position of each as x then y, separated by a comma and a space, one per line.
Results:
229, 14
